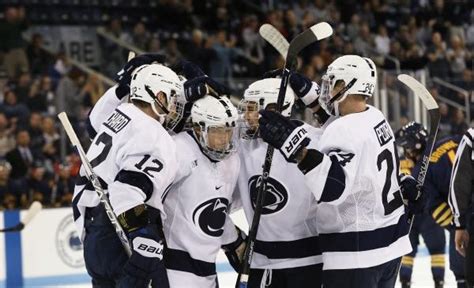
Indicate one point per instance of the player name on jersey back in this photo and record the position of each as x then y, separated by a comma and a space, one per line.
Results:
117, 121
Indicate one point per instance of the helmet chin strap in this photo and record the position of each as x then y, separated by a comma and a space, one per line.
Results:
340, 95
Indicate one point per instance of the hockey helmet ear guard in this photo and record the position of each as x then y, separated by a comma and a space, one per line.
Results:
359, 76
215, 122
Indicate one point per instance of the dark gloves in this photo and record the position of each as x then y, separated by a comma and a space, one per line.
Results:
412, 197
283, 134
201, 86
147, 255
235, 250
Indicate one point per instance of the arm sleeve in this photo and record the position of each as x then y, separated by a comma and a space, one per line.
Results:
98, 114
134, 185
461, 181
330, 170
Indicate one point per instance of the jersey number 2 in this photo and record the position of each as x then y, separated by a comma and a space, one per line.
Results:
388, 206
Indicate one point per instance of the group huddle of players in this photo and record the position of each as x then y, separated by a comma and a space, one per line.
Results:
177, 157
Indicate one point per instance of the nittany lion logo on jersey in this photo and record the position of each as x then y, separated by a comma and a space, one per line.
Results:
210, 216
276, 197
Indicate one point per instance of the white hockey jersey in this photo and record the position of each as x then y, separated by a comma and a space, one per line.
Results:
134, 157
361, 218
197, 205
287, 235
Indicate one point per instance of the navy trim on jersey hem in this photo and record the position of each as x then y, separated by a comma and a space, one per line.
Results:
136, 179
300, 248
312, 159
182, 261
364, 240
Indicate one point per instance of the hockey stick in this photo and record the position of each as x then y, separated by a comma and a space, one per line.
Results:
430, 104
30, 214
275, 38
313, 34
104, 199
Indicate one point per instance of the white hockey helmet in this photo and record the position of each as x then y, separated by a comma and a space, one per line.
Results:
258, 96
216, 118
359, 75
264, 92
151, 79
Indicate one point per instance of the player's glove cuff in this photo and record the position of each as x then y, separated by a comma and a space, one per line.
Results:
306, 90
296, 141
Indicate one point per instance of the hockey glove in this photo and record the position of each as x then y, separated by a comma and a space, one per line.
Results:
188, 69
283, 134
411, 196
273, 73
443, 215
305, 89
124, 76
147, 258
235, 250
199, 87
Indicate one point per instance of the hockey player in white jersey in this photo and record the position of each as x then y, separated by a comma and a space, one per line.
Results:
287, 251
362, 226
198, 203
134, 157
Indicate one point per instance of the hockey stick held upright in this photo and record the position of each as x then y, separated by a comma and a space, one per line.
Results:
315, 33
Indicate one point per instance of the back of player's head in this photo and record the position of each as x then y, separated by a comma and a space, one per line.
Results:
412, 137
214, 123
152, 80
351, 75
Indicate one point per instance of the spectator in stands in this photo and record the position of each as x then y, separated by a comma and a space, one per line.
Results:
39, 184
69, 97
199, 52
253, 45
437, 57
221, 65
36, 133
458, 124
155, 46
382, 41
63, 188
17, 112
23, 86
140, 37
12, 44
91, 92
364, 42
38, 58
7, 140
173, 55
20, 158
457, 55
5, 193
41, 96
444, 123
50, 143
113, 56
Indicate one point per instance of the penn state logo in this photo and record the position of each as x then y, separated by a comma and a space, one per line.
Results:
275, 198
210, 216
68, 244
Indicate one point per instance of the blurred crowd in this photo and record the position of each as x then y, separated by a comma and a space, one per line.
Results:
222, 37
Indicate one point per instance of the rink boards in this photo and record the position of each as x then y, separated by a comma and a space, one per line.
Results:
48, 253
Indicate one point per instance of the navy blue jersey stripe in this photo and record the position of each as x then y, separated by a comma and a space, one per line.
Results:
364, 240
335, 183
300, 248
182, 261
136, 179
